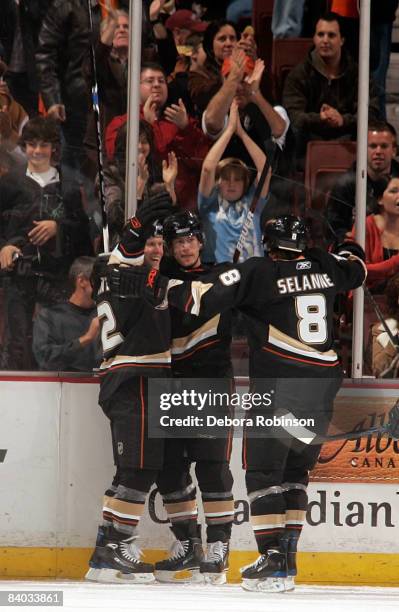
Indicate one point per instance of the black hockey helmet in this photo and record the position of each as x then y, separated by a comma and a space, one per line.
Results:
287, 233
156, 229
181, 224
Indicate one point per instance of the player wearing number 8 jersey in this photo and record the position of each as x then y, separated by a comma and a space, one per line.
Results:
288, 299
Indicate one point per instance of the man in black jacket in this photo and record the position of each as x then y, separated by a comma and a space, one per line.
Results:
64, 41
19, 29
66, 335
320, 94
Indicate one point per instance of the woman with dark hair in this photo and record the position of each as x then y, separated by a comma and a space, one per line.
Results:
382, 234
220, 39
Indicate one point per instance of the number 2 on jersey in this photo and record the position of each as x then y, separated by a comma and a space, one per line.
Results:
312, 325
109, 337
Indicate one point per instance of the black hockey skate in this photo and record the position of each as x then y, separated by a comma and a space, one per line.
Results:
267, 574
183, 564
289, 545
216, 564
118, 560
96, 559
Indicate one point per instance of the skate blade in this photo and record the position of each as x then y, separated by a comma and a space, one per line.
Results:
289, 583
93, 574
183, 576
117, 577
215, 579
268, 585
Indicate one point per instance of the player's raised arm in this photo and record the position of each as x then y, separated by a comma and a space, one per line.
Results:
207, 299
229, 290
130, 250
349, 266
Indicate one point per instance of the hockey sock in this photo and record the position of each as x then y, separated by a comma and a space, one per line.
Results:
296, 500
219, 515
182, 511
124, 510
267, 517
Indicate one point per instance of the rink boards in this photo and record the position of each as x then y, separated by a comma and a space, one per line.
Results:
56, 460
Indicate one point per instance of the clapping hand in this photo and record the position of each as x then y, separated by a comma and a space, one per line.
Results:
177, 114
233, 117
169, 169
150, 110
331, 115
254, 79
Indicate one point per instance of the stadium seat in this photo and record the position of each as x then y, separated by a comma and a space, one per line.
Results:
287, 53
325, 160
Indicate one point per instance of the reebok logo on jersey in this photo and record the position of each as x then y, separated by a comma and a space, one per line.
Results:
303, 265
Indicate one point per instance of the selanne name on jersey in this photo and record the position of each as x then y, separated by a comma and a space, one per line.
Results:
305, 282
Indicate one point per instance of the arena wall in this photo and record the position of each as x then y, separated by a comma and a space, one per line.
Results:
56, 460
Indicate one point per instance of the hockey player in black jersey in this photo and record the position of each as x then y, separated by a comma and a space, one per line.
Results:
130, 358
288, 299
200, 349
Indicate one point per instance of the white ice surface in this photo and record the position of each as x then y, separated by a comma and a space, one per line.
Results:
201, 598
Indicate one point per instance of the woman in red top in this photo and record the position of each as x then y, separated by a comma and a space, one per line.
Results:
382, 233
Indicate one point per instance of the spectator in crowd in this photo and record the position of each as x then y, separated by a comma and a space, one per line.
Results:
225, 194
384, 355
319, 94
382, 235
381, 150
171, 35
182, 24
19, 29
111, 53
151, 177
173, 131
192, 58
42, 220
64, 41
287, 18
220, 38
263, 122
66, 335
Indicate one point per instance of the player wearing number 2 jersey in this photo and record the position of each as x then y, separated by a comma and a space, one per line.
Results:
136, 343
288, 299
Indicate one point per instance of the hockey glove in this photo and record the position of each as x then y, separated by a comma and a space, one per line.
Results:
140, 227
99, 272
137, 282
348, 248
